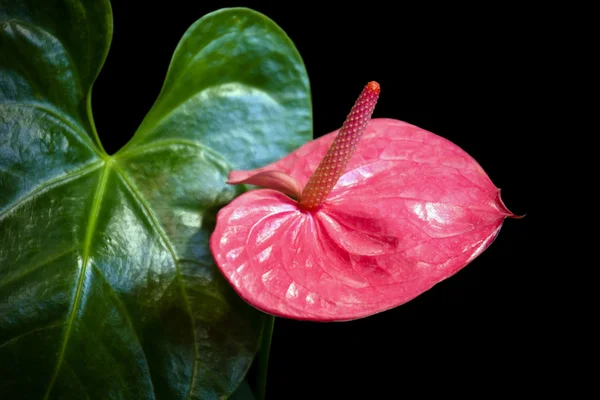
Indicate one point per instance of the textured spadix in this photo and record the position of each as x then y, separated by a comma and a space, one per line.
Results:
411, 209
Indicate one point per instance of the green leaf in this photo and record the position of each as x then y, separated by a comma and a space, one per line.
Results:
243, 392
107, 285
232, 66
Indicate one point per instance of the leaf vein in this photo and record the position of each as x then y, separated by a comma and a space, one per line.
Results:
43, 328
30, 270
145, 207
164, 145
79, 133
129, 321
85, 260
52, 184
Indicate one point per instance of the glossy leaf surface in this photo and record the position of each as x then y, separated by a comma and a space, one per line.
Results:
107, 285
411, 210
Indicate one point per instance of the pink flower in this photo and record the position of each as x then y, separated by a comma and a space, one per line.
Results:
378, 222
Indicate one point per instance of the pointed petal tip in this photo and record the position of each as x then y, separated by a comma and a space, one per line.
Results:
514, 216
505, 210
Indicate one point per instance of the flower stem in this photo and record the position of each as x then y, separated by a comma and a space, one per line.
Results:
334, 163
263, 356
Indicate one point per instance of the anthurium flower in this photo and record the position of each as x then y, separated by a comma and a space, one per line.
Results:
380, 220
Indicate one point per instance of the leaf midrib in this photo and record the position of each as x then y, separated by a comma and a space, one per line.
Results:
86, 256
107, 165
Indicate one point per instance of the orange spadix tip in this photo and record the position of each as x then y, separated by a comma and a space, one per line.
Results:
374, 87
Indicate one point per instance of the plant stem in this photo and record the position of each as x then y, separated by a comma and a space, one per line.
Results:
263, 356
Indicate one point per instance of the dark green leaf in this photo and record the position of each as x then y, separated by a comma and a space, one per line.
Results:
107, 285
243, 392
232, 66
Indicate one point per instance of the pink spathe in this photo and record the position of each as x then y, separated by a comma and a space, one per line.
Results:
411, 210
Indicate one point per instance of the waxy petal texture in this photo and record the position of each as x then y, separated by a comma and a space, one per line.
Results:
411, 209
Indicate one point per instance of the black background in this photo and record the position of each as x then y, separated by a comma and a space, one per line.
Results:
462, 74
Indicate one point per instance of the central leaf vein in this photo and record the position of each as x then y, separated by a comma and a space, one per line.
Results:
84, 263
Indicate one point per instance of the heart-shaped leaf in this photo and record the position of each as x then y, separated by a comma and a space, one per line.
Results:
107, 285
